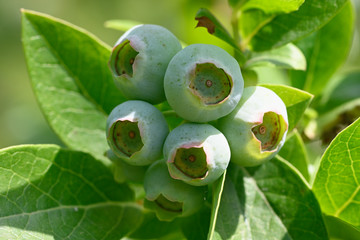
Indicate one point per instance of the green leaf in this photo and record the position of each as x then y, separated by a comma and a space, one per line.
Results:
193, 227
197, 226
295, 153
340, 90
121, 24
266, 75
296, 101
268, 202
325, 51
338, 229
288, 57
152, 228
218, 188
206, 19
51, 193
71, 80
250, 23
266, 31
337, 182
274, 6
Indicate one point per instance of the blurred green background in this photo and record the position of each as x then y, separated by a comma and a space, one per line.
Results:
21, 120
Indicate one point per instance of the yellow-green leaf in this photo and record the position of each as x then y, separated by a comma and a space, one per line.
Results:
337, 182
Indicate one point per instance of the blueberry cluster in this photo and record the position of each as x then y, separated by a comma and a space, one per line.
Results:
203, 85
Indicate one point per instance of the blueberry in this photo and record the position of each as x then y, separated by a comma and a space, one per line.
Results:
139, 60
125, 172
196, 153
256, 129
136, 131
203, 83
170, 198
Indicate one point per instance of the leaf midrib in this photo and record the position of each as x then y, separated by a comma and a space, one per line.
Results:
341, 208
75, 208
266, 200
262, 195
214, 218
62, 169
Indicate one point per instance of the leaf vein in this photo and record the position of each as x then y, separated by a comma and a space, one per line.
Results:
65, 67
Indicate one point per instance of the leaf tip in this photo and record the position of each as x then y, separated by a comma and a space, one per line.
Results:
23, 11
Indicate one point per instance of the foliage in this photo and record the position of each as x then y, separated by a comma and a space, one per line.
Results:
49, 192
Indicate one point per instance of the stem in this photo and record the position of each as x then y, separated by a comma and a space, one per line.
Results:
235, 24
238, 52
235, 27
169, 113
246, 41
311, 67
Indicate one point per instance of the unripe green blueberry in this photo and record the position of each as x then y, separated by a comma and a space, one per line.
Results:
203, 83
196, 153
256, 129
136, 131
125, 172
139, 60
170, 198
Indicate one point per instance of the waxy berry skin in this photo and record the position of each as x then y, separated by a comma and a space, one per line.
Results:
203, 83
136, 131
256, 130
196, 153
170, 198
139, 60
123, 171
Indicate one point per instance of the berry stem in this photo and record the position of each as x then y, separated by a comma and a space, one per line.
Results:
235, 18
